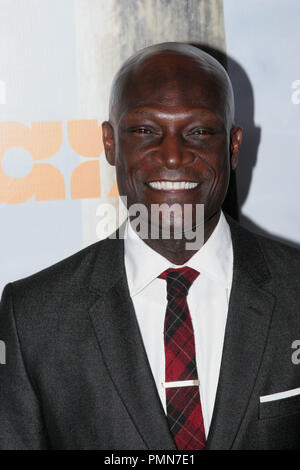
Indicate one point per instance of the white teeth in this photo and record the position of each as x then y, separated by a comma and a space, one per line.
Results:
166, 185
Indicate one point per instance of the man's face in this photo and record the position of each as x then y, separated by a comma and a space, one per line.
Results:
170, 141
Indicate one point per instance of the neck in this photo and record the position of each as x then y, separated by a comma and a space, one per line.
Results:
175, 250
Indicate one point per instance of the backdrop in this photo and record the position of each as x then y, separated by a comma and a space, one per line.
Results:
57, 62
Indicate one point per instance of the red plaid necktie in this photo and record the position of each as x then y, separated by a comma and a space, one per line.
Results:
184, 411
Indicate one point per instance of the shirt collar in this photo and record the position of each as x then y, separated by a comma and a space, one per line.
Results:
214, 259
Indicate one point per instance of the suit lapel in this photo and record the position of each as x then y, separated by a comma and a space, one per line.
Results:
120, 341
249, 316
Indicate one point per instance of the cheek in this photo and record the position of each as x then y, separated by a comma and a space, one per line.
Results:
127, 157
221, 182
213, 157
124, 157
221, 161
218, 162
127, 178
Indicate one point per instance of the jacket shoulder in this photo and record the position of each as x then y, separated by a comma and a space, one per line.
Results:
280, 256
67, 275
274, 250
266, 258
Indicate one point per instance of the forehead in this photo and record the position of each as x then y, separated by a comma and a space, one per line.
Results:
171, 81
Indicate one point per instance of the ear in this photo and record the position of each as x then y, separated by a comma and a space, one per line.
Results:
235, 143
108, 142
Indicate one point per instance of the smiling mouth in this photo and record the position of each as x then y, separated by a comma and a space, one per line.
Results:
173, 185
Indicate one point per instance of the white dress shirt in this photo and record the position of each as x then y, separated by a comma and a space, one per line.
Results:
208, 300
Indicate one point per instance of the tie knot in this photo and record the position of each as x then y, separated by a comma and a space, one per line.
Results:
178, 281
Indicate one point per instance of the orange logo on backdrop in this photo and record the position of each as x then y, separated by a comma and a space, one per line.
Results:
45, 181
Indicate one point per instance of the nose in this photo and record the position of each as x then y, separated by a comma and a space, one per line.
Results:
173, 152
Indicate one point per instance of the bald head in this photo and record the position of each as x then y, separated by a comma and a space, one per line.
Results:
175, 66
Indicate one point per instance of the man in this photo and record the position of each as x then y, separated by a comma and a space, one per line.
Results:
93, 353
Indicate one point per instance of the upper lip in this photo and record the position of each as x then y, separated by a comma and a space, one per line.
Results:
172, 180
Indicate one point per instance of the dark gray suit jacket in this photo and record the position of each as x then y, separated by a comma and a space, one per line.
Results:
77, 375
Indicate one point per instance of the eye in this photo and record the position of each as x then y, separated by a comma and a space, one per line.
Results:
200, 132
141, 130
